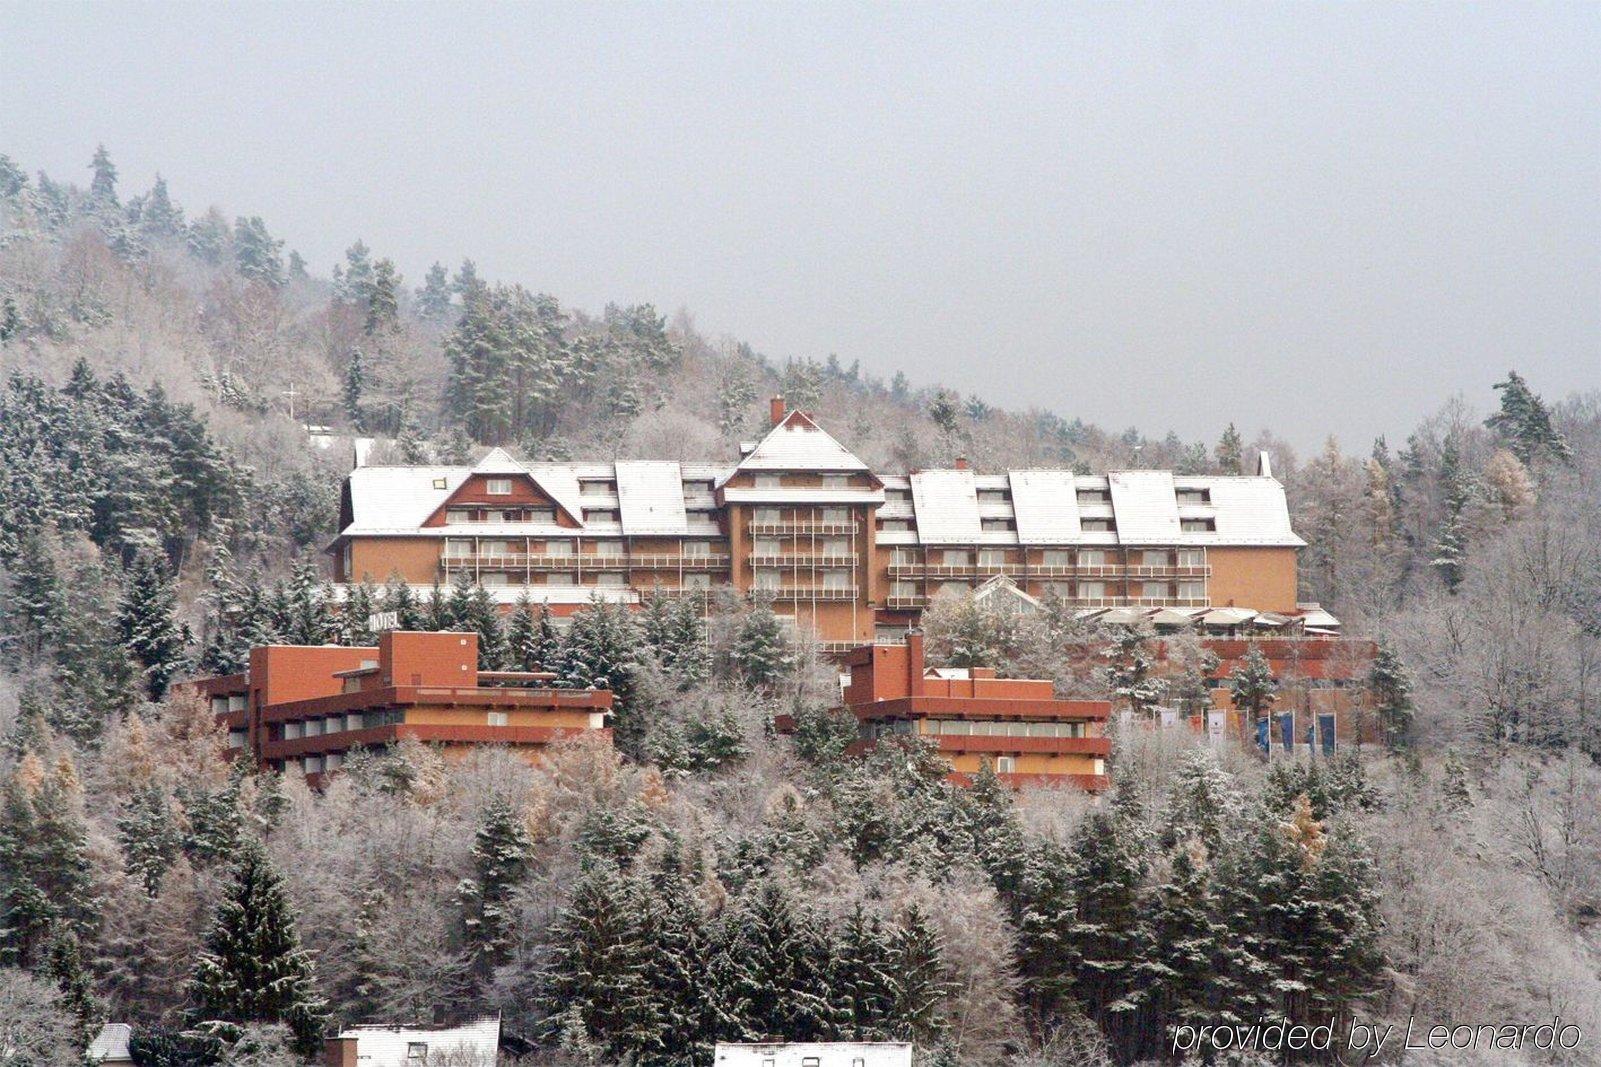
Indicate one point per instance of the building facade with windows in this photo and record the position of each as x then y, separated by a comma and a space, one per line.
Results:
306, 708
971, 717
848, 554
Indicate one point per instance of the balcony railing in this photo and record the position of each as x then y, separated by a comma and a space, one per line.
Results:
1040, 570
801, 526
588, 562
802, 559
807, 592
904, 603
686, 563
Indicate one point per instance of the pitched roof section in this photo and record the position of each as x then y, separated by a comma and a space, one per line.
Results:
946, 503
1045, 504
650, 496
1146, 508
799, 444
400, 498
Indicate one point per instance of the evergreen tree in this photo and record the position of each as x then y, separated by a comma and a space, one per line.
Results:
773, 966
65, 965
311, 619
383, 298
297, 267
433, 299
256, 254
215, 821
158, 215
354, 388
1391, 686
103, 186
945, 411
918, 983
480, 615
736, 392
531, 637
148, 625
761, 653
1230, 451
46, 885
1450, 548
862, 981
598, 983
1204, 806
253, 969
149, 837
1130, 671
500, 854
361, 603
1198, 962
678, 967
353, 282
599, 651
34, 601
1252, 685
1525, 423
399, 599
1454, 783
1109, 943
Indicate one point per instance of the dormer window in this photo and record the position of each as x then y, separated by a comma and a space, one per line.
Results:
1099, 526
1198, 525
835, 481
769, 481
1094, 496
1194, 496
599, 516
497, 486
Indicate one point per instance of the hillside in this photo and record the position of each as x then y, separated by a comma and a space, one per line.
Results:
162, 508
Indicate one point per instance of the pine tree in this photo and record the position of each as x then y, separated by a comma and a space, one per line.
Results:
531, 637
862, 979
383, 298
918, 983
735, 395
1199, 964
65, 965
253, 968
480, 615
500, 854
399, 599
1130, 671
1204, 806
433, 299
148, 626
1450, 548
361, 603
149, 837
599, 651
158, 215
46, 885
678, 966
311, 619
1230, 451
215, 821
1391, 686
1109, 943
1525, 423
355, 386
598, 984
353, 283
34, 601
103, 187
1252, 686
256, 254
773, 966
761, 653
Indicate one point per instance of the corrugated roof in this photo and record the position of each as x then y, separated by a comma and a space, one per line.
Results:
650, 495
1045, 504
1146, 509
946, 503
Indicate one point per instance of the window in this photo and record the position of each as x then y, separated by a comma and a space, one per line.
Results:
903, 557
897, 496
956, 557
293, 731
1092, 590
769, 481
836, 514
416, 1052
494, 548
1156, 590
609, 549
992, 557
995, 525
609, 580
836, 481
836, 579
903, 589
767, 548
1094, 496
561, 578
1058, 557
766, 515
1198, 525
559, 548
458, 549
544, 515
353, 721
1059, 589
697, 549
493, 579
1192, 557
992, 496
1100, 526
601, 515
497, 718
591, 487
953, 587
697, 581
1194, 496
836, 546
312, 765
219, 705
767, 579
1156, 557
498, 486
1092, 557
454, 515
895, 525
237, 738
313, 728
1192, 590
439, 483
1005, 765
811, 1061
333, 761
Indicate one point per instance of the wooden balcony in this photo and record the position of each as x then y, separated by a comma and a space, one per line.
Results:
583, 562
801, 526
808, 592
802, 559
905, 603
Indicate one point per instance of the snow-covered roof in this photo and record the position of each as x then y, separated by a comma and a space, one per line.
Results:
473, 1044
1146, 508
799, 444
1046, 506
111, 1044
947, 507
650, 496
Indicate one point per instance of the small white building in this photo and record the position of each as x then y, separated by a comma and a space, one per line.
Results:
472, 1044
814, 1054
110, 1046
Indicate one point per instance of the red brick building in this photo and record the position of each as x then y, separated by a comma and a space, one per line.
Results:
972, 717
306, 707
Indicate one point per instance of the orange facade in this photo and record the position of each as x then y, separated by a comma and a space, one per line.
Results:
971, 717
305, 708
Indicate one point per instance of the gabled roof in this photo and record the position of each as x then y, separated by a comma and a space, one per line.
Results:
946, 502
798, 444
1007, 594
650, 496
1046, 506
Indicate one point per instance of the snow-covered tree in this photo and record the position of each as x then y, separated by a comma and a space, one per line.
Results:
148, 624
761, 652
149, 836
773, 967
1252, 687
1130, 671
500, 855
1391, 686
1524, 423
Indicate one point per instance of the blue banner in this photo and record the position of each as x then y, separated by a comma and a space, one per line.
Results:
1287, 731
1325, 729
1261, 735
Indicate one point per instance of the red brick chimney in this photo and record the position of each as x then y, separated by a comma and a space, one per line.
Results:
775, 409
961, 463
914, 663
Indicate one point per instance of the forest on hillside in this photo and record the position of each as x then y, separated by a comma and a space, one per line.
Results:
161, 509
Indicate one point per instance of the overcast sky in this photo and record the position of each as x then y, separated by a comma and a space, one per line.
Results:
1319, 219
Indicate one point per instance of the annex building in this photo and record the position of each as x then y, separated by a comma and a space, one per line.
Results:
850, 555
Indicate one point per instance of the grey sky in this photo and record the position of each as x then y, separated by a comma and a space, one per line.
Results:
1311, 218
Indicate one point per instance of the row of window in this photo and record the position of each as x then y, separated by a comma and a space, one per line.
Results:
772, 578
459, 548
1053, 557
333, 724
779, 481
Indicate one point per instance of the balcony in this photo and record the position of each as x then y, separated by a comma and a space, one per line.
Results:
802, 559
582, 562
801, 526
905, 603
677, 563
808, 592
